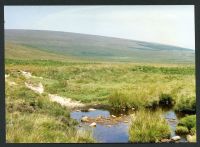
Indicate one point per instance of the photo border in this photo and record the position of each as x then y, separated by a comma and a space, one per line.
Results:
98, 2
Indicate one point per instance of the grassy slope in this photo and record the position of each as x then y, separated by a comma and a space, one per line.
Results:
99, 47
17, 51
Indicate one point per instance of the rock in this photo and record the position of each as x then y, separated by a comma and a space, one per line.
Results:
125, 121
91, 109
165, 140
121, 114
93, 124
99, 117
78, 110
109, 126
133, 108
84, 119
113, 116
175, 138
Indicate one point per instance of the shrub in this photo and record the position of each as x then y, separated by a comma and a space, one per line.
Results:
181, 130
148, 127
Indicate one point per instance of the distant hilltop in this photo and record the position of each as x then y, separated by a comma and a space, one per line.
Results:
100, 48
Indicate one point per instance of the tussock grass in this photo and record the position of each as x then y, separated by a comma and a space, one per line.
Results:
187, 125
182, 130
148, 126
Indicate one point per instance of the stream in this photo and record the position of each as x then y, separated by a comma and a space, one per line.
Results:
115, 130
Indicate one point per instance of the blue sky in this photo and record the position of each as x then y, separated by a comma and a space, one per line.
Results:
173, 25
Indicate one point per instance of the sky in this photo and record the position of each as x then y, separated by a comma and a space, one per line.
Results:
172, 25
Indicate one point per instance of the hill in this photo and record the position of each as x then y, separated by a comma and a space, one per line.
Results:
63, 45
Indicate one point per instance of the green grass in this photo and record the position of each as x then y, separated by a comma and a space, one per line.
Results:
89, 47
182, 130
31, 117
115, 84
187, 125
122, 75
148, 127
188, 121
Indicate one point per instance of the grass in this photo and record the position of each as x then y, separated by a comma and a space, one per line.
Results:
31, 117
91, 47
115, 84
188, 121
148, 127
122, 75
192, 138
187, 125
182, 130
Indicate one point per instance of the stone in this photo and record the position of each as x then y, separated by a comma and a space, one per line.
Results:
78, 110
113, 116
84, 119
133, 108
109, 126
175, 138
93, 124
99, 117
125, 121
165, 140
91, 109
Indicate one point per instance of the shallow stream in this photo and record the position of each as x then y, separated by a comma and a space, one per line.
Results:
115, 129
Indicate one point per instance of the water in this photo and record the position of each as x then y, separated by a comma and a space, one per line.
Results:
172, 120
118, 132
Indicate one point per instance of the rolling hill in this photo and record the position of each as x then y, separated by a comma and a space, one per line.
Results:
36, 44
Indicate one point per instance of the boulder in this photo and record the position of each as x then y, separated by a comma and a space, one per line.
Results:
84, 119
175, 138
93, 124
113, 116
